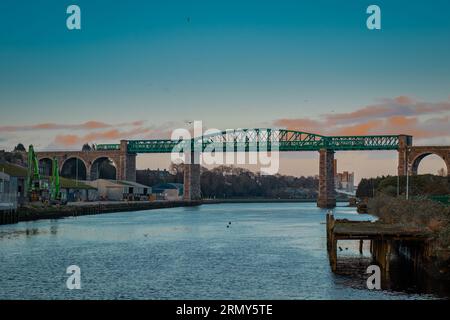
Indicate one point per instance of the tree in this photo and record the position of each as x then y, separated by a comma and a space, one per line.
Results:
86, 147
20, 147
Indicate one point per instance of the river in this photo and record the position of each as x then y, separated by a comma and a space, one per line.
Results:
215, 251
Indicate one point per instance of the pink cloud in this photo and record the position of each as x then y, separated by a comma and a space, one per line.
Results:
398, 106
109, 135
400, 115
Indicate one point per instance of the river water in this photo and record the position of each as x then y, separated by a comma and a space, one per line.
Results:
216, 251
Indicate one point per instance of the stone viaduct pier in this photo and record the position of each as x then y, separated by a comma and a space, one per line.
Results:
88, 161
409, 156
123, 156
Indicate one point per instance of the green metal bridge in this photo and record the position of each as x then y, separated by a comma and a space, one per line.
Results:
247, 140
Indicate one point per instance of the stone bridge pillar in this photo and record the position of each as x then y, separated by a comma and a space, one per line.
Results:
192, 189
127, 163
327, 194
405, 142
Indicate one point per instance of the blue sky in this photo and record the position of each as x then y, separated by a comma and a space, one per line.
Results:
229, 63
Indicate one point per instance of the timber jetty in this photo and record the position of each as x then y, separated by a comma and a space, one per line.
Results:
385, 239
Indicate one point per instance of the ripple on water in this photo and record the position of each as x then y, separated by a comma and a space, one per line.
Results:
269, 251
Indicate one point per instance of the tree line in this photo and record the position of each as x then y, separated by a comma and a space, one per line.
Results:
235, 182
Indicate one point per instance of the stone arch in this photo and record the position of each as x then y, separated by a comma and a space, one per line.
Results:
103, 167
45, 166
418, 158
69, 168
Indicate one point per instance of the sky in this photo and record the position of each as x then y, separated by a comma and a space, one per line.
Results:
139, 69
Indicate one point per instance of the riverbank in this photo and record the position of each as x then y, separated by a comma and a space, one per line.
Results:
258, 200
38, 211
31, 213
432, 257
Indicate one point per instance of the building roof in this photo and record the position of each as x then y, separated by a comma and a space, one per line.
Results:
13, 170
118, 183
168, 185
72, 184
159, 188
133, 184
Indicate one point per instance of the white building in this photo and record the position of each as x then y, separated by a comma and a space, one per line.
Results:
8, 192
118, 190
345, 181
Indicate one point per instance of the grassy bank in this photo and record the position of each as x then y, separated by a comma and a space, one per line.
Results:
425, 215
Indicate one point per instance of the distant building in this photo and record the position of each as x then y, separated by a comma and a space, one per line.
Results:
168, 191
8, 192
118, 190
19, 174
70, 190
74, 191
343, 181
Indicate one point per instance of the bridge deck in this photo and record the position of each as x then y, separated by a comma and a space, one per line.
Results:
344, 229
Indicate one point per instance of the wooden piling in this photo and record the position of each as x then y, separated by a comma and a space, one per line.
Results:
331, 242
383, 239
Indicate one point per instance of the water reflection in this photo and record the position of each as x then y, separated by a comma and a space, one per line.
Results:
28, 232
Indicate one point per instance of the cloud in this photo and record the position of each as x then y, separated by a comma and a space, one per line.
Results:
113, 134
399, 115
89, 125
398, 106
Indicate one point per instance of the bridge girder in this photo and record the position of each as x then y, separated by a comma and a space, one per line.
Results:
248, 140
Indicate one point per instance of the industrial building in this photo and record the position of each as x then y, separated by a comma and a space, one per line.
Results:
8, 192
168, 191
118, 190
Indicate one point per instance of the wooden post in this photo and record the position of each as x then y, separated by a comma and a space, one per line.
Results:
361, 242
388, 256
328, 232
333, 255
331, 243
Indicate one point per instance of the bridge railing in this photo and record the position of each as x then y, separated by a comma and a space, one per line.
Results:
380, 142
107, 147
247, 140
